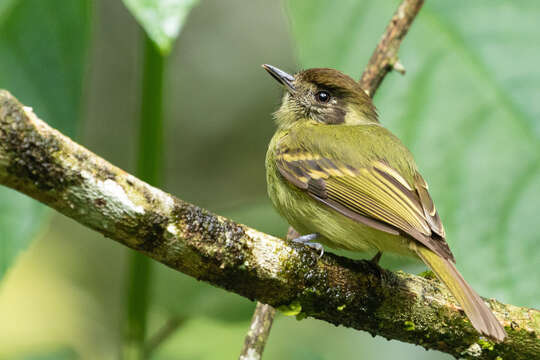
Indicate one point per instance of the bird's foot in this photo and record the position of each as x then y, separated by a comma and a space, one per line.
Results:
308, 240
374, 262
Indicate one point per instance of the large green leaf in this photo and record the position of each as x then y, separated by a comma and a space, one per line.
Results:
468, 109
43, 45
161, 19
5, 7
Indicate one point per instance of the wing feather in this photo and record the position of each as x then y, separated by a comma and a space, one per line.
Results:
376, 195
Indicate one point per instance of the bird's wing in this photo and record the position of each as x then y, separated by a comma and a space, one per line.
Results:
376, 195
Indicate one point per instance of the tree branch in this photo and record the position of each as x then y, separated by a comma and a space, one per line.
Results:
46, 165
385, 56
162, 335
258, 333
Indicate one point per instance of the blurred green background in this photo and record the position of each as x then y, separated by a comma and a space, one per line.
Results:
468, 109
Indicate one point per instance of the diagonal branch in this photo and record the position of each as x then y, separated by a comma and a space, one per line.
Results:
46, 165
258, 333
170, 327
385, 56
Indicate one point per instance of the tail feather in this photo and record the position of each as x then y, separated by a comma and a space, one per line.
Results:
476, 310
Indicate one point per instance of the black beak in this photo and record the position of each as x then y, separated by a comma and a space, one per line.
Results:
281, 76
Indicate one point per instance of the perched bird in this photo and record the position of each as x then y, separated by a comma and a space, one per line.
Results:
339, 177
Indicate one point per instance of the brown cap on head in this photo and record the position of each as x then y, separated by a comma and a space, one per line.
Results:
326, 96
333, 80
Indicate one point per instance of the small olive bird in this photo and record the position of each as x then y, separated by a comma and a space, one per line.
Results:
338, 176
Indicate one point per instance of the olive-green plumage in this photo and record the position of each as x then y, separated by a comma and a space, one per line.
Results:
334, 170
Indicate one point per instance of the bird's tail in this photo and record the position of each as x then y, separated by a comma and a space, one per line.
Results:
476, 310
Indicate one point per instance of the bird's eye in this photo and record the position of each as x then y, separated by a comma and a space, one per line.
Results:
322, 96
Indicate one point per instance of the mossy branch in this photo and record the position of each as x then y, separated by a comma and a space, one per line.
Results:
46, 165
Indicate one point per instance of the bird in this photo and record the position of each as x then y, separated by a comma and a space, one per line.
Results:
341, 179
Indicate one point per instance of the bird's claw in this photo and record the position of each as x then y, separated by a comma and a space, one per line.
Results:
308, 241
377, 269
317, 247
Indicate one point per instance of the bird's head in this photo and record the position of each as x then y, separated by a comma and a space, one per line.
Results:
322, 96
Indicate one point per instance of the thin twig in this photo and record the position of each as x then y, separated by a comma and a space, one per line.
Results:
385, 57
258, 333
163, 334
48, 166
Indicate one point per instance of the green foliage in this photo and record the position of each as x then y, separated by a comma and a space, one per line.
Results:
61, 354
43, 46
181, 296
20, 219
162, 19
5, 7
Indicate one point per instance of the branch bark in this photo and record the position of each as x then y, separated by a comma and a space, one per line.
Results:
46, 165
258, 333
385, 56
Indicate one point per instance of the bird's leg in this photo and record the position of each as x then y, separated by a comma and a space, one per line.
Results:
307, 240
374, 262
377, 258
